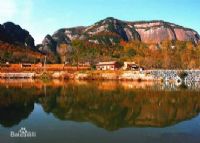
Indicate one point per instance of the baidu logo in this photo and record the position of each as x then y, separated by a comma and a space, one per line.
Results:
22, 133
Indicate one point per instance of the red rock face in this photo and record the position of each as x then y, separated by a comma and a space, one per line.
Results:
156, 32
156, 35
183, 35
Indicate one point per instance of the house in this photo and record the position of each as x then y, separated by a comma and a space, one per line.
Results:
29, 65
84, 64
112, 65
128, 65
137, 68
26, 65
132, 66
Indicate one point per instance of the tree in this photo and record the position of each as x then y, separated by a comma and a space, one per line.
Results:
77, 51
64, 52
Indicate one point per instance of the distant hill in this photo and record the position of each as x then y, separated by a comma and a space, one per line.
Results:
14, 34
17, 45
152, 44
111, 31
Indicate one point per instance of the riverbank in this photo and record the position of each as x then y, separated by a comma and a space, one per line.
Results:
147, 75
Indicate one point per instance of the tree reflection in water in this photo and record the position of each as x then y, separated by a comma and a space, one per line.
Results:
109, 105
15, 105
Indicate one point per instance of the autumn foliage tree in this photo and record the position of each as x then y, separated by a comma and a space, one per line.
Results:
165, 55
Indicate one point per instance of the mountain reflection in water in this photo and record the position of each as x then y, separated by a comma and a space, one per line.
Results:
109, 105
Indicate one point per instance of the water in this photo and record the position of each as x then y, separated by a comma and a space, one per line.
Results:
99, 112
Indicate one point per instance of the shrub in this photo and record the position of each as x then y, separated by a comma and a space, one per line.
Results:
182, 74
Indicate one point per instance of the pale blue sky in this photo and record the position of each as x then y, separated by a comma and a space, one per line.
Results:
41, 17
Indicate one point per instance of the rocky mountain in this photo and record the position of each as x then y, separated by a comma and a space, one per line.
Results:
99, 41
14, 34
111, 31
17, 45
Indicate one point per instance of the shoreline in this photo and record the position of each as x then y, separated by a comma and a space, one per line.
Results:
146, 75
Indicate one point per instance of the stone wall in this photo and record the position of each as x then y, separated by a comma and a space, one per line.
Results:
192, 75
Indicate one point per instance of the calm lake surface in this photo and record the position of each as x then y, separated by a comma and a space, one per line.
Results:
99, 112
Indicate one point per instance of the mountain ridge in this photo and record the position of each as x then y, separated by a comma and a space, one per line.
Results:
107, 39
111, 31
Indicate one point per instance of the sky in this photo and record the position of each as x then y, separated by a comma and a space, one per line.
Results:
42, 17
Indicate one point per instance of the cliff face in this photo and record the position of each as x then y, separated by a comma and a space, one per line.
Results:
158, 31
111, 31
